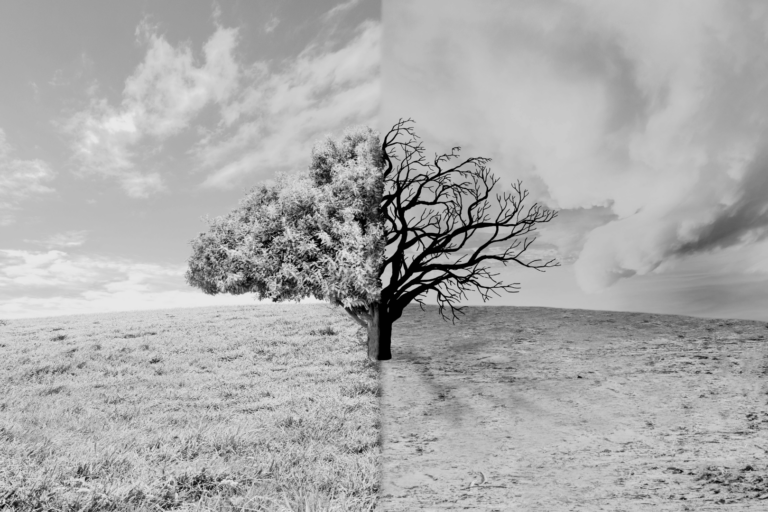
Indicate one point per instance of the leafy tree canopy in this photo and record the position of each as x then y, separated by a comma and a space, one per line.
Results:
317, 234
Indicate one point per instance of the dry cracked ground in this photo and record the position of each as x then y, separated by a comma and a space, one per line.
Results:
575, 410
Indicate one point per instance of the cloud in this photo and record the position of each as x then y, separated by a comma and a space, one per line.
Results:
269, 111
160, 99
34, 307
58, 271
271, 25
269, 124
20, 180
567, 232
167, 89
142, 185
654, 111
47, 283
337, 10
63, 240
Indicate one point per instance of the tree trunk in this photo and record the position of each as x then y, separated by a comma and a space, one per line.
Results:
379, 334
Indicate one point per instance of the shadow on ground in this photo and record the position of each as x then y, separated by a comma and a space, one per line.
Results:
575, 410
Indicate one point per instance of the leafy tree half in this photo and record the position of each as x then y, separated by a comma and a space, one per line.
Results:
363, 211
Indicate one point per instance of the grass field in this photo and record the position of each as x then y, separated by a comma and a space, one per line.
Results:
235, 408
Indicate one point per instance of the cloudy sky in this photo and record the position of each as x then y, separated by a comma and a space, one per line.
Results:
123, 124
644, 123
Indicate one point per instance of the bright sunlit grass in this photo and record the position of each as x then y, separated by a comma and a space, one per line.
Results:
237, 408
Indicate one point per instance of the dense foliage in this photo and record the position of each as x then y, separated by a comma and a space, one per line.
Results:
317, 234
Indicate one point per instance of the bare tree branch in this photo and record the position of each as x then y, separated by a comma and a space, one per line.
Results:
434, 211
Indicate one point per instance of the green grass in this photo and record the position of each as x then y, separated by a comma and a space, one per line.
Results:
235, 408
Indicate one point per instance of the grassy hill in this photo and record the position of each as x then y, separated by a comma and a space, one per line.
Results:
234, 408
277, 408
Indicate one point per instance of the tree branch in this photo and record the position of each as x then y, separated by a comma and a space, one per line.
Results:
360, 316
434, 209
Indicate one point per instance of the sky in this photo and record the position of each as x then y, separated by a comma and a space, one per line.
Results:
642, 123
123, 125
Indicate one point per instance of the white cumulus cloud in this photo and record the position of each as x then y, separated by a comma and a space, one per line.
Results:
54, 282
73, 238
20, 180
160, 99
273, 121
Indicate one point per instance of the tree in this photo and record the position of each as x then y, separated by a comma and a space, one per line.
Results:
364, 211
318, 234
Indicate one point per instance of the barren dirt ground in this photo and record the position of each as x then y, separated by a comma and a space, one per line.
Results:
575, 410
